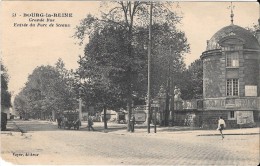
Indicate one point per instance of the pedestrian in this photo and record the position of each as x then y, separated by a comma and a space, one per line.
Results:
132, 123
221, 126
90, 124
59, 119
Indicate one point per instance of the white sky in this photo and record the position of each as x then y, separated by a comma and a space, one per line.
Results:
23, 49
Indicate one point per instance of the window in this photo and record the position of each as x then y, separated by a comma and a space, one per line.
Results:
232, 115
232, 59
232, 87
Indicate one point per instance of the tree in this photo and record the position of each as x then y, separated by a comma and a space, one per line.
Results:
192, 81
105, 76
70, 82
129, 19
5, 94
22, 105
253, 28
169, 46
47, 91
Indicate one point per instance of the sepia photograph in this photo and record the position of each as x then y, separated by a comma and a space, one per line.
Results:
130, 82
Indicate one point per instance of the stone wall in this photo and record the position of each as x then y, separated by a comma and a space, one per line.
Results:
250, 75
210, 119
215, 72
213, 76
203, 119
187, 118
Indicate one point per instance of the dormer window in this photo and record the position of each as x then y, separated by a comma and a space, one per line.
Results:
232, 59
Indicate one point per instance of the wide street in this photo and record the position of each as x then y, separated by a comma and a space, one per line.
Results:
43, 143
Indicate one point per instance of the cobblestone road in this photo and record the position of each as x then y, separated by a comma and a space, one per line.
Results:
119, 147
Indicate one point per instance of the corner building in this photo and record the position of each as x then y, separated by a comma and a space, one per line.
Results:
231, 78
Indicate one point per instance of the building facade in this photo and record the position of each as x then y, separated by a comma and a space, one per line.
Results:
231, 78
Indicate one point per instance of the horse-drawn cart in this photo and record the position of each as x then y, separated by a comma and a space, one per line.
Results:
69, 119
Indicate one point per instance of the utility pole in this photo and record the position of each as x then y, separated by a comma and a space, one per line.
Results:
149, 69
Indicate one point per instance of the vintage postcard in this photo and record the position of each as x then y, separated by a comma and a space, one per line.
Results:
130, 83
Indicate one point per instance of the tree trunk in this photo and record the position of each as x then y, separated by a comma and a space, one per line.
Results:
105, 117
53, 115
129, 110
172, 103
167, 99
166, 116
42, 116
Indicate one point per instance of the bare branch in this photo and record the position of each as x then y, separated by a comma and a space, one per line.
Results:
130, 9
125, 12
112, 21
112, 10
136, 4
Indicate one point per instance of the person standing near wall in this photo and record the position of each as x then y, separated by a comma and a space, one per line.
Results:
221, 126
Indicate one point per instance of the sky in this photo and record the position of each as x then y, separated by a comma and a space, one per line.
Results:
25, 48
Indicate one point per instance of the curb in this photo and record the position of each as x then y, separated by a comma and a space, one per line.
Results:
229, 134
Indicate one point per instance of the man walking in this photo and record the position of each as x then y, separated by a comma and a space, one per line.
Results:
221, 126
90, 124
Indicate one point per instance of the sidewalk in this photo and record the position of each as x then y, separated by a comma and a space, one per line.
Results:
122, 129
142, 129
197, 132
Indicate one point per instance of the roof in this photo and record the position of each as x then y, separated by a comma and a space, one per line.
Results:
234, 30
